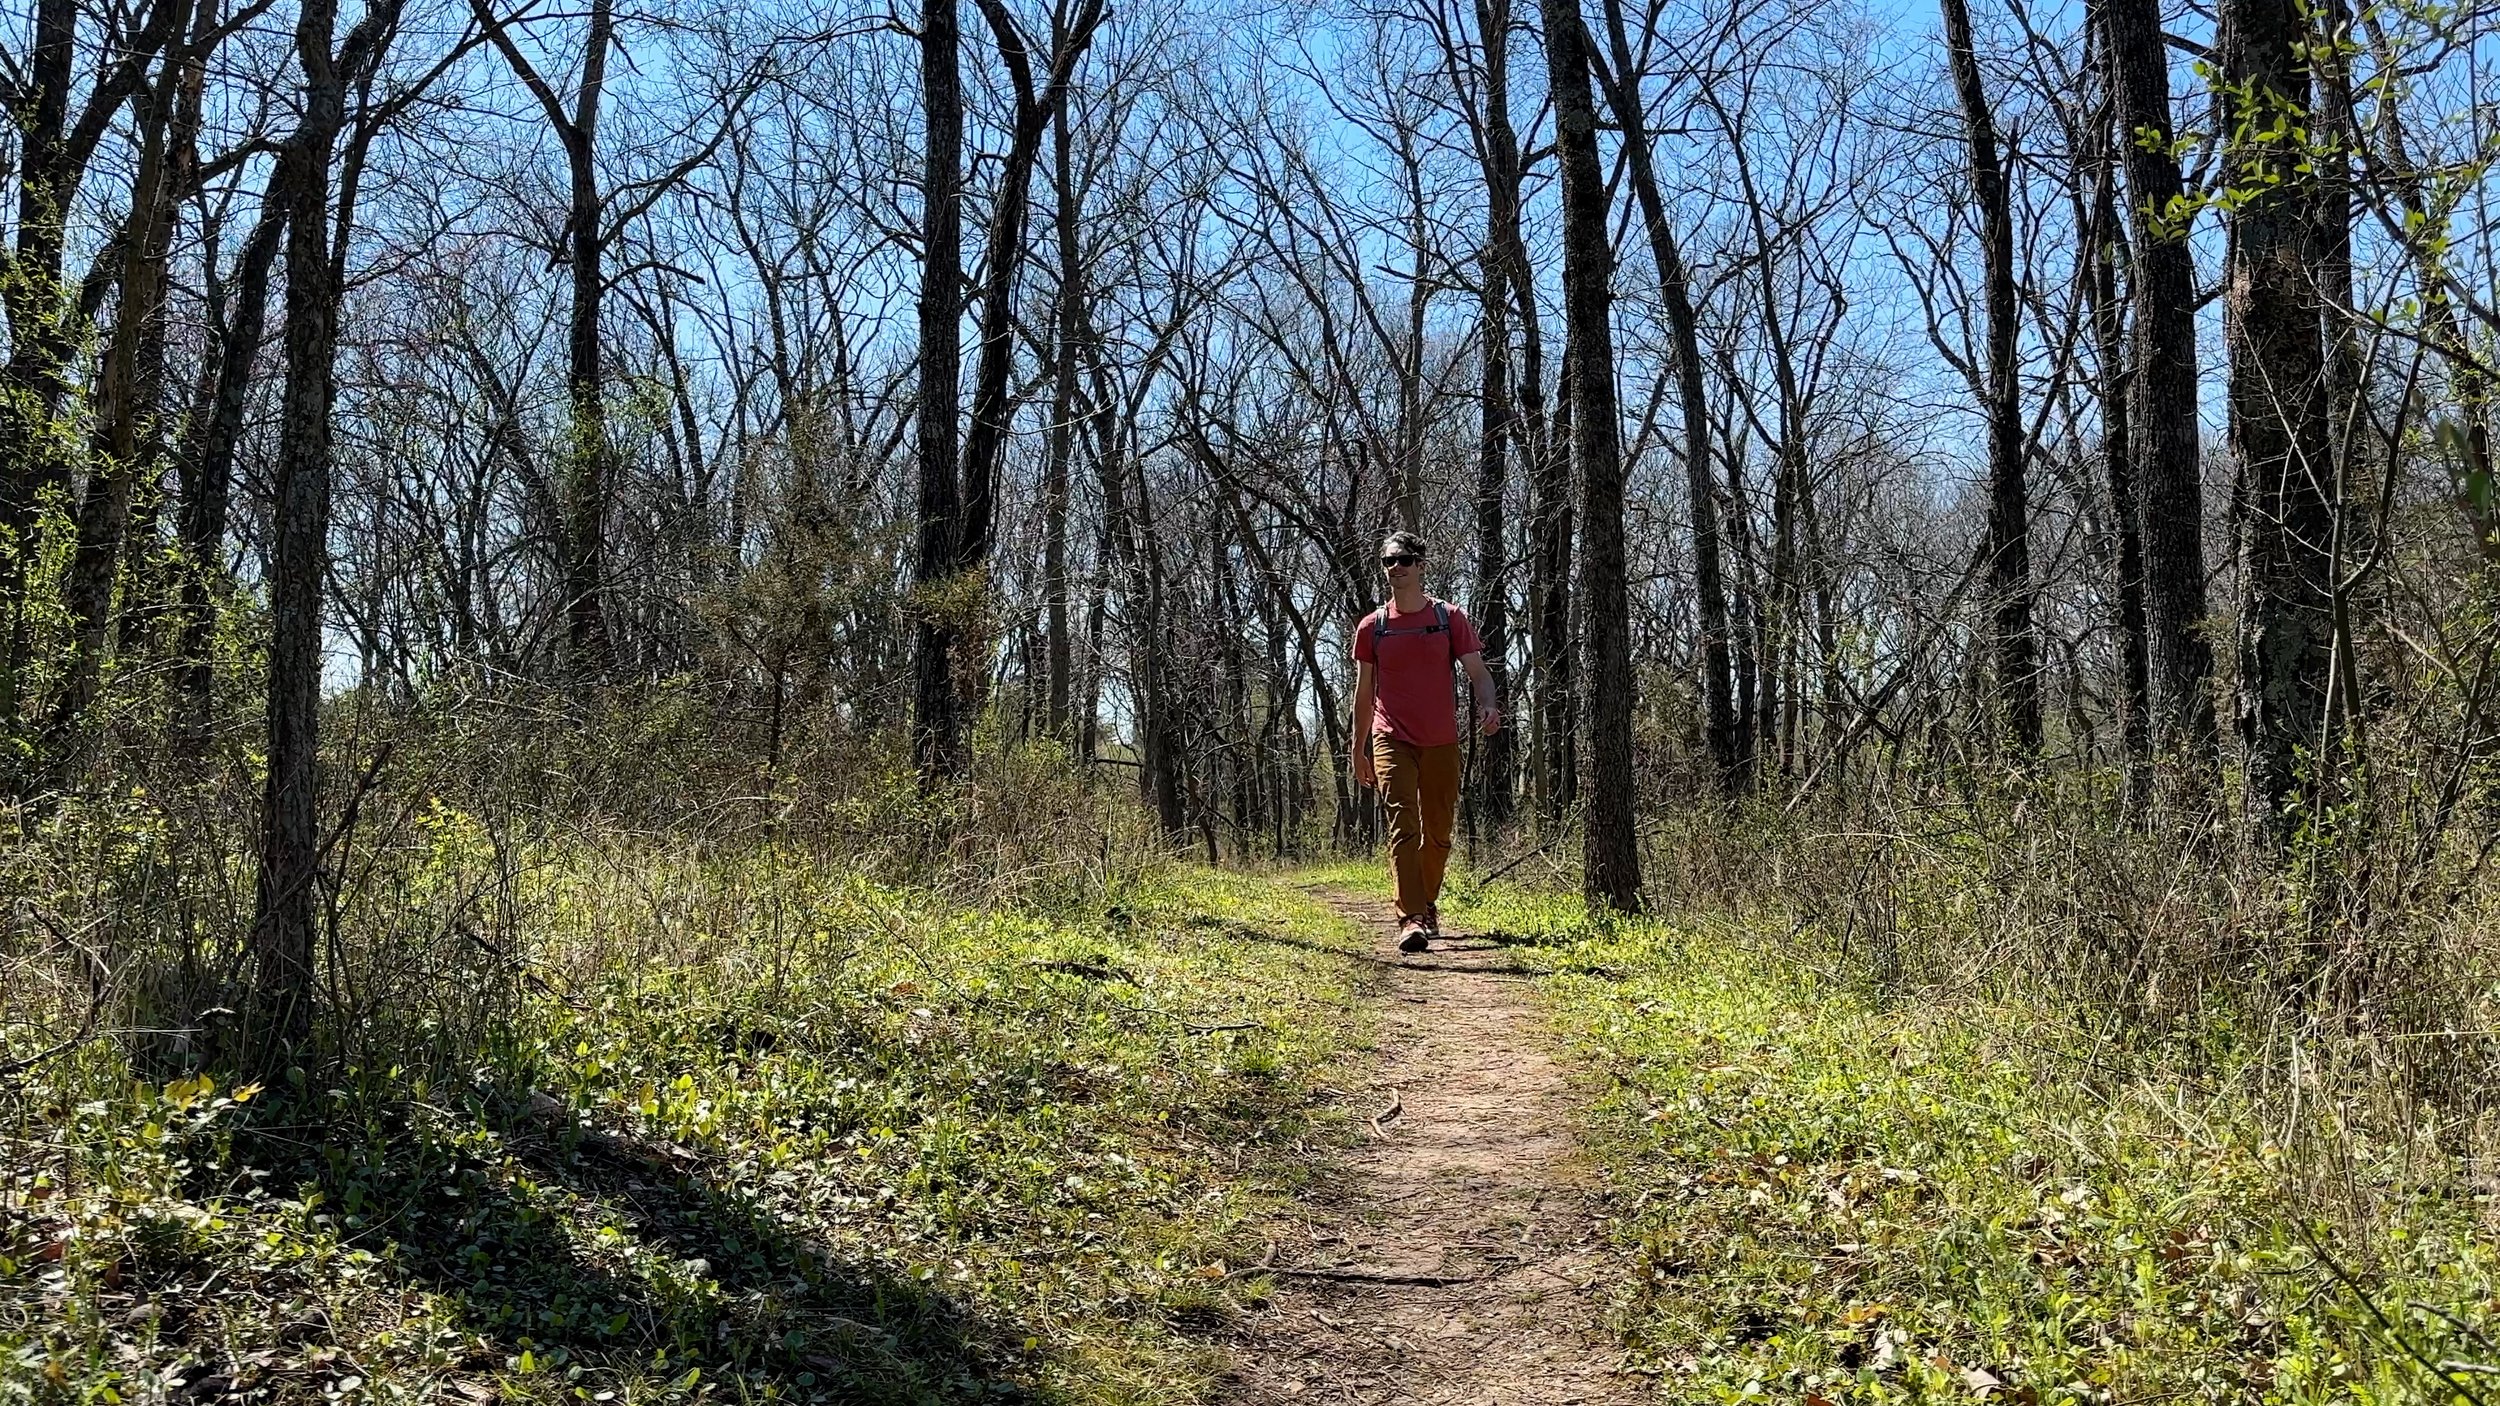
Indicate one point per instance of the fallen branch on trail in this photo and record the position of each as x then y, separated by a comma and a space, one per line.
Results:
1364, 1276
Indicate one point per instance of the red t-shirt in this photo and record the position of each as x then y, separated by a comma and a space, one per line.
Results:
1415, 700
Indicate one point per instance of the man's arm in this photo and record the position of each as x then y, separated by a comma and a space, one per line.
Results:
1480, 683
1359, 732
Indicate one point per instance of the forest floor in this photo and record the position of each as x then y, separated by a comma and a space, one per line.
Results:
772, 1132
1460, 1258
1693, 1158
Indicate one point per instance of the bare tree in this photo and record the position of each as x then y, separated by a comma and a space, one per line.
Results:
284, 916
1675, 287
1611, 857
2282, 455
2009, 508
2162, 392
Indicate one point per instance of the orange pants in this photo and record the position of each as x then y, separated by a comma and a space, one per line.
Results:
1419, 789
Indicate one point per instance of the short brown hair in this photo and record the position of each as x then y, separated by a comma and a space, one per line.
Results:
1406, 542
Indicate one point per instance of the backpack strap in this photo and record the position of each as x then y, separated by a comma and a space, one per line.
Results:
1440, 621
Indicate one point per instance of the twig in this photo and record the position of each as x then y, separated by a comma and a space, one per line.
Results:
100, 994
86, 1031
1210, 1029
15, 1067
2443, 1372
1360, 1276
1515, 862
1266, 1265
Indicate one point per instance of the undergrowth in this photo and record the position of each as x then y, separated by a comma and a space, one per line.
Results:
1831, 1189
754, 1131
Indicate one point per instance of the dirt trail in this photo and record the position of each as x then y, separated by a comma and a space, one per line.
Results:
1460, 1260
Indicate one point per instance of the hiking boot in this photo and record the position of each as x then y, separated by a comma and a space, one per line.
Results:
1432, 919
1414, 935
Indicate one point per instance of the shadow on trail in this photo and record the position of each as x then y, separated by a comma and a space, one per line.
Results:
1419, 964
1456, 944
635, 1263
1498, 938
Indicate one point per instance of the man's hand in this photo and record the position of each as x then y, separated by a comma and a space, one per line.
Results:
1364, 775
1488, 718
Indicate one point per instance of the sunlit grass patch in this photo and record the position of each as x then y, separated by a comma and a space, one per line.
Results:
766, 1133
1833, 1193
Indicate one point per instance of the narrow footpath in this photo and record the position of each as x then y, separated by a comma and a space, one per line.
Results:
1460, 1258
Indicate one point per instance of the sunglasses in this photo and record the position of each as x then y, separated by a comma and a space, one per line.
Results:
1400, 559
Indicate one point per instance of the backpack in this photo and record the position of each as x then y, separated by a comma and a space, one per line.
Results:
1440, 623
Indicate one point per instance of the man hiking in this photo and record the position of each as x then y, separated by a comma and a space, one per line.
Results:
1406, 727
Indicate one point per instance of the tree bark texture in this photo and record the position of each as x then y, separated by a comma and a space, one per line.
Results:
1548, 615
54, 148
1067, 314
1610, 855
125, 405
2118, 469
937, 729
1500, 430
2273, 322
207, 468
594, 466
2009, 507
1718, 689
285, 918
1491, 608
2162, 399
1551, 512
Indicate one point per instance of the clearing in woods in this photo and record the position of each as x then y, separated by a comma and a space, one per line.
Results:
1460, 1258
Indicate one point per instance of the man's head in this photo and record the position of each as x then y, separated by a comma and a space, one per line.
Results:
1401, 557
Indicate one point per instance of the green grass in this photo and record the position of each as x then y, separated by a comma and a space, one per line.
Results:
761, 1133
1826, 1196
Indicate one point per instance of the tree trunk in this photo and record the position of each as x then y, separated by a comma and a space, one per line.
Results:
1160, 734
2102, 233
126, 396
1068, 315
1409, 469
1611, 858
1491, 802
1718, 688
52, 154
41, 339
284, 918
992, 401
1499, 429
1778, 595
1550, 513
593, 456
207, 468
2162, 401
2009, 506
2273, 322
1548, 472
937, 729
